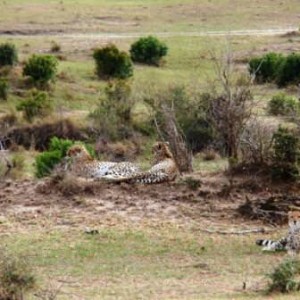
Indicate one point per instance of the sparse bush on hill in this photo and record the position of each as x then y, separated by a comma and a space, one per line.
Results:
282, 104
3, 89
112, 63
41, 69
112, 117
8, 54
16, 277
286, 155
285, 277
289, 71
37, 105
148, 50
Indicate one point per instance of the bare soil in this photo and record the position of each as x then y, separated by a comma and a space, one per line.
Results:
92, 204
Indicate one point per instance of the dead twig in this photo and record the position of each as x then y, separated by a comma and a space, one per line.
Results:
237, 232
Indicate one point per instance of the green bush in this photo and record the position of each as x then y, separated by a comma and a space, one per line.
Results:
282, 104
266, 68
46, 161
286, 155
41, 68
38, 105
148, 50
283, 278
112, 63
3, 89
289, 72
8, 54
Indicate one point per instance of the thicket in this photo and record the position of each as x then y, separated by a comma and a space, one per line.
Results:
41, 69
112, 63
148, 50
8, 54
275, 67
37, 105
282, 104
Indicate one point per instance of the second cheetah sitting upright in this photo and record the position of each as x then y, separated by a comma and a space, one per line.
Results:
84, 165
291, 242
164, 168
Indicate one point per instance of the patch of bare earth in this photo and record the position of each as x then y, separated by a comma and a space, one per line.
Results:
89, 204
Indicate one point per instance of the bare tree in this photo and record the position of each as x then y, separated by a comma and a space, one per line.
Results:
231, 103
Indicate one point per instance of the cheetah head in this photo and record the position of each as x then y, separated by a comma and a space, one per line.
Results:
294, 219
78, 152
161, 151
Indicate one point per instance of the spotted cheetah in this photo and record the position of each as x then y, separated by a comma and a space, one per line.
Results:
84, 165
291, 242
164, 168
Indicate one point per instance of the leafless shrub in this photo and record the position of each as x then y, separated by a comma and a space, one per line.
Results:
231, 103
256, 141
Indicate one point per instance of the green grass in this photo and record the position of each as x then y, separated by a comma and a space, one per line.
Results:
160, 262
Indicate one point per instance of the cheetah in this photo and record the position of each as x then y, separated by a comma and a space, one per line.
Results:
291, 242
84, 165
164, 168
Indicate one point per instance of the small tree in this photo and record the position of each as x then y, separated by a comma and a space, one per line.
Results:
148, 50
8, 54
112, 63
41, 69
112, 117
231, 107
38, 104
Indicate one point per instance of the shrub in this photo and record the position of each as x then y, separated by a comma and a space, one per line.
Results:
289, 72
3, 89
16, 277
266, 68
282, 104
41, 68
55, 47
8, 54
283, 277
148, 50
286, 155
38, 104
112, 63
46, 161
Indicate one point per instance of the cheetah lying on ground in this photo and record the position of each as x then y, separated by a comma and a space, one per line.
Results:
164, 168
84, 165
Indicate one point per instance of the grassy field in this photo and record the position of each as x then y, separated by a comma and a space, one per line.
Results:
149, 262
146, 16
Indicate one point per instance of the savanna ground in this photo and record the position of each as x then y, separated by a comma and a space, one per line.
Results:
153, 242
